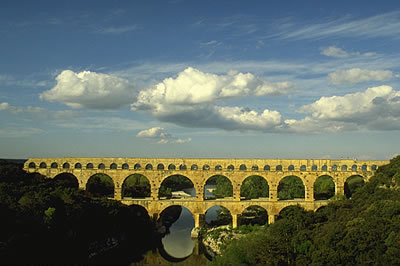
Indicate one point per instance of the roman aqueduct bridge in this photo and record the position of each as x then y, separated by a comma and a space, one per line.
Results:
198, 171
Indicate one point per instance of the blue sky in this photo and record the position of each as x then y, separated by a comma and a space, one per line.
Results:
235, 79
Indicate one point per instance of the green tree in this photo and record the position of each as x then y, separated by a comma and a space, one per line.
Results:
254, 187
291, 187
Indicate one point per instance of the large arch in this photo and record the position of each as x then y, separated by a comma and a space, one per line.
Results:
291, 187
175, 183
324, 187
223, 186
100, 185
136, 186
353, 184
67, 180
254, 214
254, 187
217, 215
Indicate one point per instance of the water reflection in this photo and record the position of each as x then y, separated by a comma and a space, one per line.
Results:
178, 242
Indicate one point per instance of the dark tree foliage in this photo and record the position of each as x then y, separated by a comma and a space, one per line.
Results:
291, 187
136, 186
254, 187
43, 222
363, 230
223, 186
100, 185
324, 188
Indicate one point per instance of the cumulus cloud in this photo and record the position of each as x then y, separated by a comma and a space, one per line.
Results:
37, 113
356, 75
334, 52
162, 136
90, 90
376, 108
189, 100
153, 133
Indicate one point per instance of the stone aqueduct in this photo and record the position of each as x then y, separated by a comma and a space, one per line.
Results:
156, 170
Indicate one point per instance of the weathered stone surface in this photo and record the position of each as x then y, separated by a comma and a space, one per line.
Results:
156, 170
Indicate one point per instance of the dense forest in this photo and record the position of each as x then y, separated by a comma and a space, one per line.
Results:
360, 229
47, 221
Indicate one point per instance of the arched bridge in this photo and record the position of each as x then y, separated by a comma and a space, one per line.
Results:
156, 170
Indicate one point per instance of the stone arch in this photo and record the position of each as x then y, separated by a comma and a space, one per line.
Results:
67, 180
54, 165
291, 187
353, 184
230, 167
374, 167
324, 187
206, 167
267, 167
182, 167
136, 186
291, 167
218, 167
242, 167
223, 186
194, 167
78, 166
354, 168
344, 168
334, 167
303, 168
89, 166
149, 166
278, 168
113, 166
213, 217
171, 167
125, 166
254, 168
254, 214
174, 183
160, 166
101, 166
32, 165
137, 166
101, 185
324, 168
42, 165
253, 187
364, 168
314, 168
66, 166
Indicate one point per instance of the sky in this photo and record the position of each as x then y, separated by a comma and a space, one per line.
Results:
200, 79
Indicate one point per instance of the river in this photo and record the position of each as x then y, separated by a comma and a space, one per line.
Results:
178, 248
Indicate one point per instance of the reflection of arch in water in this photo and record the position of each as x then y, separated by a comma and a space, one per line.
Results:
179, 222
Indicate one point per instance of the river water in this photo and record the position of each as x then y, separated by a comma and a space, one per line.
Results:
179, 247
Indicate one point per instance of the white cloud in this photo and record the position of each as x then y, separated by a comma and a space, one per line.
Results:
189, 100
19, 132
90, 90
356, 75
162, 136
153, 133
4, 106
334, 52
377, 108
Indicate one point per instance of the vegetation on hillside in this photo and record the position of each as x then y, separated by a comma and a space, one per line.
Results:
362, 230
47, 221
